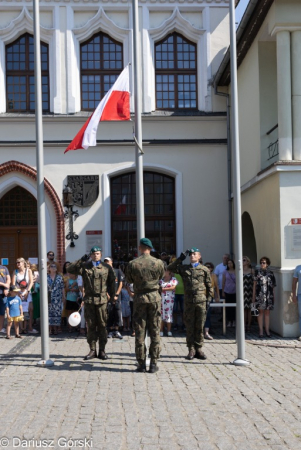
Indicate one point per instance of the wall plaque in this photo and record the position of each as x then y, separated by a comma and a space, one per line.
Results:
85, 189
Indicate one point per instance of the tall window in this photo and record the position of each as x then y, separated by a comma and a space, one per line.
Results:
176, 73
20, 79
159, 199
101, 63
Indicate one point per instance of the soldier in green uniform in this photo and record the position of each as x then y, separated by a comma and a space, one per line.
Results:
99, 282
197, 291
145, 272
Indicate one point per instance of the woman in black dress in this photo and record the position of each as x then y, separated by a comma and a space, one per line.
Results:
263, 294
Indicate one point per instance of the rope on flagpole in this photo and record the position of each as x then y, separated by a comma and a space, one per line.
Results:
137, 143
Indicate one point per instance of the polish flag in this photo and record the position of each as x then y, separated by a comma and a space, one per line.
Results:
115, 105
121, 208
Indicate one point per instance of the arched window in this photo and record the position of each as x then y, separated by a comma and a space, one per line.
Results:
101, 63
20, 79
159, 206
18, 208
176, 73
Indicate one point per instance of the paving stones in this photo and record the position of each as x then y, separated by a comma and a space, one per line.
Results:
210, 405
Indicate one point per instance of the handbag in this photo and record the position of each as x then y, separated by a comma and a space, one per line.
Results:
50, 291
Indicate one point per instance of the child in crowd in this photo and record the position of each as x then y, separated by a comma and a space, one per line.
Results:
14, 311
125, 307
113, 319
72, 296
25, 306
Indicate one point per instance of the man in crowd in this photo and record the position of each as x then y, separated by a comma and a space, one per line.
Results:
51, 259
98, 280
115, 303
145, 272
219, 270
4, 289
197, 291
297, 295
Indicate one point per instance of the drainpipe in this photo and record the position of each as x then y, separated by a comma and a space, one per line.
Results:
229, 164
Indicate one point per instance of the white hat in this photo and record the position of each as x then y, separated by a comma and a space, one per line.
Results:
107, 258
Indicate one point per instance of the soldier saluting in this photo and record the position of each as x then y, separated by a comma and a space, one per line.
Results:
145, 272
98, 281
197, 291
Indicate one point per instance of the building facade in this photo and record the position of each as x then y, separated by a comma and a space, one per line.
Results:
84, 47
269, 97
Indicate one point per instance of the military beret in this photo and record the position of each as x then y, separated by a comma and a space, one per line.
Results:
146, 242
194, 250
95, 249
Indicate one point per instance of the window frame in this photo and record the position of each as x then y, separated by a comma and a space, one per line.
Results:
27, 73
176, 71
133, 217
101, 72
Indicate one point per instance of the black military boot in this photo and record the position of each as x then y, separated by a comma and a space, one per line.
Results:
102, 355
141, 367
153, 368
199, 354
191, 354
90, 355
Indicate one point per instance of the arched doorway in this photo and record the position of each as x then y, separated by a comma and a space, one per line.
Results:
159, 207
248, 238
18, 226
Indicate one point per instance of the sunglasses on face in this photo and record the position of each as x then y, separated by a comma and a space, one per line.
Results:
51, 254
53, 267
263, 262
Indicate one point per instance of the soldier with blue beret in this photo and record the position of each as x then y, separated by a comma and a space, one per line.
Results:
99, 282
197, 292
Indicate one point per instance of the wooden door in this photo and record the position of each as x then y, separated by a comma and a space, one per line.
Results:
18, 243
18, 226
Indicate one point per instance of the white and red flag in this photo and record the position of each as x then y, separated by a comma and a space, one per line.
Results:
115, 105
121, 208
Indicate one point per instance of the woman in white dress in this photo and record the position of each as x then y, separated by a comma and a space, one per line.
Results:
168, 285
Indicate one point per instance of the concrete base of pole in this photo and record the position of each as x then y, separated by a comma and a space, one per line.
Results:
45, 363
241, 362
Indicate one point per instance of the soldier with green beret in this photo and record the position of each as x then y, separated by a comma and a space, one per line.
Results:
99, 282
145, 272
197, 291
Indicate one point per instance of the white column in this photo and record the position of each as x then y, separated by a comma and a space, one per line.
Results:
284, 96
296, 93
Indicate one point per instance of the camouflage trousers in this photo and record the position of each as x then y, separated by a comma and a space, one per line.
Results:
96, 318
194, 318
147, 316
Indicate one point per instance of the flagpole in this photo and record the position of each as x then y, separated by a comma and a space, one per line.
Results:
45, 361
240, 335
138, 126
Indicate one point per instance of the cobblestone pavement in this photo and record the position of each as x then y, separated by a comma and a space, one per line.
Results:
186, 405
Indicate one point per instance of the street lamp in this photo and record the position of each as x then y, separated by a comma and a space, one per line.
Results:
69, 213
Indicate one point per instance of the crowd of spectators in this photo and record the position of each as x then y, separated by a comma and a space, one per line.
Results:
19, 297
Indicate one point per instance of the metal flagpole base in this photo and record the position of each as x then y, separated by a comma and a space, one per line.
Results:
241, 362
45, 363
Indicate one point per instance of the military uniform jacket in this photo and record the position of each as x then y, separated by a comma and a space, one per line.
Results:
98, 280
196, 280
145, 272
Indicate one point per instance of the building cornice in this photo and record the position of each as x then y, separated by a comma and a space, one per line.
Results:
116, 2
278, 167
249, 26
